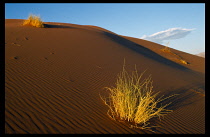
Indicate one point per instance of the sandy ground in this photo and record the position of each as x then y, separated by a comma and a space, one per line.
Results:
53, 77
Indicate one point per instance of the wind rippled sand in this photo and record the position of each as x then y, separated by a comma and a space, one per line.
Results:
53, 77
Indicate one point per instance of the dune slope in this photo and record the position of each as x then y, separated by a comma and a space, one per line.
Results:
53, 77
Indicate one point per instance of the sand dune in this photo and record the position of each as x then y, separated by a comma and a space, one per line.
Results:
201, 54
53, 77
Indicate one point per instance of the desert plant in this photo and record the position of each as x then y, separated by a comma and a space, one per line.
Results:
183, 61
166, 49
35, 21
179, 58
133, 100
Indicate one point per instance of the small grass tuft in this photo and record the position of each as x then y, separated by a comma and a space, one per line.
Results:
166, 49
134, 101
34, 21
183, 61
179, 58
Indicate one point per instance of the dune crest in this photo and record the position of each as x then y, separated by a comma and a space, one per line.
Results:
53, 77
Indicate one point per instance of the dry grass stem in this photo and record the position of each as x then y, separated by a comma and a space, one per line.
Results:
179, 58
133, 100
34, 21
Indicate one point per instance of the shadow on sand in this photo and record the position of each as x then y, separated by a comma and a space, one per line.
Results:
130, 45
56, 26
144, 51
185, 97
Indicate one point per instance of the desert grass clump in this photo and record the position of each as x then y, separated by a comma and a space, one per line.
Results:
166, 49
179, 58
34, 21
134, 101
183, 61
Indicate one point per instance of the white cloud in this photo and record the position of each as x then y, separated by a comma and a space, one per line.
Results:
169, 34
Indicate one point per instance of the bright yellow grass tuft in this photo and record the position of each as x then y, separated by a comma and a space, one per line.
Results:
34, 21
133, 100
166, 49
183, 61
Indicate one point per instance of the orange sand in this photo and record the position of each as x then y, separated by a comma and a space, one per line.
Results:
53, 77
